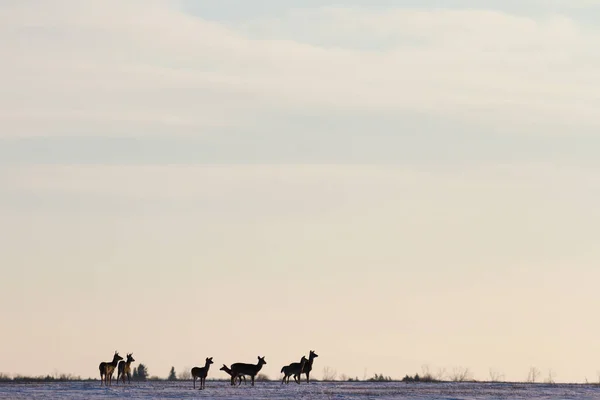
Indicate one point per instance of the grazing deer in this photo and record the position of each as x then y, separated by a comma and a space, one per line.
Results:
124, 368
228, 370
247, 369
293, 369
307, 366
201, 373
107, 369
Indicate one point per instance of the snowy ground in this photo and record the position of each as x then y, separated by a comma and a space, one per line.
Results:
316, 390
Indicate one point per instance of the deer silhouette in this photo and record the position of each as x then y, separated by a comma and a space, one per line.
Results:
246, 369
107, 369
307, 366
201, 373
293, 369
228, 371
124, 368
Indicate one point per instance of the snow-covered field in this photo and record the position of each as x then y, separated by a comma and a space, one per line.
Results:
316, 390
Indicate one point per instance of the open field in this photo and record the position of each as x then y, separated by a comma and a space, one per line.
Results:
318, 390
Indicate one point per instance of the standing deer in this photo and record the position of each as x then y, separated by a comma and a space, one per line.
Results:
307, 366
293, 369
228, 370
107, 369
247, 369
201, 373
124, 368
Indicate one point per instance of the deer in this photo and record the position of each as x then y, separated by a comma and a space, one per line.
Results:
307, 366
107, 369
293, 369
247, 369
228, 371
124, 368
201, 373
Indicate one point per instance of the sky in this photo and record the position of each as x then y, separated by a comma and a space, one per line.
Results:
393, 184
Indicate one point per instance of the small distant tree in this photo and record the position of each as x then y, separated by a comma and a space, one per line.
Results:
461, 374
496, 376
186, 374
172, 375
441, 374
533, 375
142, 372
427, 375
550, 378
329, 374
262, 378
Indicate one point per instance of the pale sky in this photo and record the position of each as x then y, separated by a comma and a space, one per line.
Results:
389, 183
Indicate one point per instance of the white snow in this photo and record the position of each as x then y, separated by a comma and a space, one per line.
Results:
316, 390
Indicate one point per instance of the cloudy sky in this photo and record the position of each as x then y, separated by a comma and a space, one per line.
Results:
392, 183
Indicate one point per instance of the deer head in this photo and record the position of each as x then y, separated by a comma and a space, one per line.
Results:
261, 360
117, 357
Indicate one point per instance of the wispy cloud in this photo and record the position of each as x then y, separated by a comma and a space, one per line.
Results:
153, 68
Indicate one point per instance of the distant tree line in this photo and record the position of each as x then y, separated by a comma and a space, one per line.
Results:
379, 378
